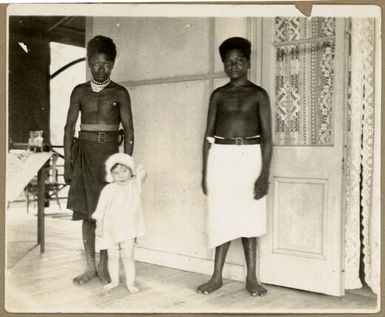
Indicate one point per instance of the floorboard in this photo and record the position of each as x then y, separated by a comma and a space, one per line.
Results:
43, 283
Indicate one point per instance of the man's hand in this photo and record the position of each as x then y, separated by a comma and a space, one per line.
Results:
204, 185
261, 186
67, 172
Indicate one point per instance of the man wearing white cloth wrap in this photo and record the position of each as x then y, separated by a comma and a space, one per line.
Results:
236, 162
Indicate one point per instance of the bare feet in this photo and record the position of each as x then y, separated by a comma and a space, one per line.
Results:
210, 286
254, 288
85, 277
103, 274
132, 289
109, 286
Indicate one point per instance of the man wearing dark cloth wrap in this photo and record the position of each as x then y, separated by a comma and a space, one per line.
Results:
103, 105
236, 162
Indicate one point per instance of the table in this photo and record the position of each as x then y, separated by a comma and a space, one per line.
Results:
22, 166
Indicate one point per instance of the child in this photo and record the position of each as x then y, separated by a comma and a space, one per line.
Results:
119, 216
236, 162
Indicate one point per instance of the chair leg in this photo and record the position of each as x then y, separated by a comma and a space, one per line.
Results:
35, 202
26, 192
57, 199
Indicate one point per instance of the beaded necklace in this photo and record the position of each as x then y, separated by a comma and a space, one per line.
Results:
99, 86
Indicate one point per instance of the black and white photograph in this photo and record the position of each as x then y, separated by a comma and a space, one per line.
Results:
193, 158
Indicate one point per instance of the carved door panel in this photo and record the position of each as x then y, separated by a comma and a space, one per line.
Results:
303, 245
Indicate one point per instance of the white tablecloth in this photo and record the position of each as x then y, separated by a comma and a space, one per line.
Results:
22, 166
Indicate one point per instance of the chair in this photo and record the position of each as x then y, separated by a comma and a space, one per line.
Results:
52, 184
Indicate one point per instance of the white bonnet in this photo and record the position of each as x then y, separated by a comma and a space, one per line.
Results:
118, 158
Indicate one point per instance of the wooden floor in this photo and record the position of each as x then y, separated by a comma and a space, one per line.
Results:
43, 283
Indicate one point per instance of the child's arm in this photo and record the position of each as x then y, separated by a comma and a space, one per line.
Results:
101, 207
100, 211
141, 173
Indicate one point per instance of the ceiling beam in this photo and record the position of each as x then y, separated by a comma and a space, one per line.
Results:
61, 21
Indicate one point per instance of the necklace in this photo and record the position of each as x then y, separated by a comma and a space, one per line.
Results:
99, 86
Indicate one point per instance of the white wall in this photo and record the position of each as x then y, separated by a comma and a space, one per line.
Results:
169, 66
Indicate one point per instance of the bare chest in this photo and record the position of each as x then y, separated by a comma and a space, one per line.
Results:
241, 101
100, 103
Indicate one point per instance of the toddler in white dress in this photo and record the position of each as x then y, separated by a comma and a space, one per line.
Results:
119, 216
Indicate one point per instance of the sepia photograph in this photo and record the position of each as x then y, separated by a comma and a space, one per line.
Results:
193, 158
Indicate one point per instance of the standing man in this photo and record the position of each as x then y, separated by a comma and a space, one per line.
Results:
236, 162
103, 106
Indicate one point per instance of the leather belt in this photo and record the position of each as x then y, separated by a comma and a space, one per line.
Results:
238, 140
99, 136
99, 127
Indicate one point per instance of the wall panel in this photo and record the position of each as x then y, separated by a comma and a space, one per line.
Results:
169, 126
157, 47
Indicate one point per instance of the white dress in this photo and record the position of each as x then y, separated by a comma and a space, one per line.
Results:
119, 213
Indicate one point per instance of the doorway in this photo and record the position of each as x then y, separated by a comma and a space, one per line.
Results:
314, 242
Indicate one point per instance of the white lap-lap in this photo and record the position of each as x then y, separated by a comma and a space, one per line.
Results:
233, 212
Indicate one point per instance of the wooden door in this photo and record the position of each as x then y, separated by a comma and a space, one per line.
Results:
303, 247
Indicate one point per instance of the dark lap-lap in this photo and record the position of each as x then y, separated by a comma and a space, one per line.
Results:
88, 176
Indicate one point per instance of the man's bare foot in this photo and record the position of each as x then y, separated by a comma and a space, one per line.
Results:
132, 288
254, 288
103, 274
85, 277
109, 286
210, 286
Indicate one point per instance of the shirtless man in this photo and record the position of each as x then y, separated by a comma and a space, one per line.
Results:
103, 105
236, 161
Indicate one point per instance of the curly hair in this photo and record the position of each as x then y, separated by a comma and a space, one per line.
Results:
101, 45
235, 43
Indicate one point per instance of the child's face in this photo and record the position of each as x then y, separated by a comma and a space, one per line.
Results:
236, 64
121, 174
100, 67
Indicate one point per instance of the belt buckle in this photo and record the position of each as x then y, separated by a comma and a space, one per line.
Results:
101, 137
238, 140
